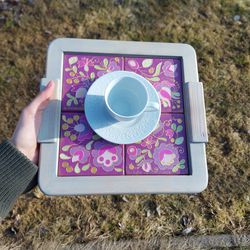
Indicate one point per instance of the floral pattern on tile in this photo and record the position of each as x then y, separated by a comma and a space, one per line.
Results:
80, 70
166, 77
163, 152
83, 153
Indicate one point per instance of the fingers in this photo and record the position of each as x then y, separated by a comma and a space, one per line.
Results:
42, 98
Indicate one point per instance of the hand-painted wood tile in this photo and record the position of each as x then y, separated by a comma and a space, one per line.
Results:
165, 75
82, 152
164, 152
79, 71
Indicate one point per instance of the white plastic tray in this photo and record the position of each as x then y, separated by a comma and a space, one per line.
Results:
194, 110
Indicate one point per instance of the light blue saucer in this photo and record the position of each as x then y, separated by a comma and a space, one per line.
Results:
120, 132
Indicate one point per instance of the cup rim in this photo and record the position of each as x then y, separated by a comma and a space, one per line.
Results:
109, 87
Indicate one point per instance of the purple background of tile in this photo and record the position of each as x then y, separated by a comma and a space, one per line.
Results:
162, 151
80, 71
166, 77
81, 146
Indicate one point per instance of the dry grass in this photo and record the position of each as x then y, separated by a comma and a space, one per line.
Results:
222, 46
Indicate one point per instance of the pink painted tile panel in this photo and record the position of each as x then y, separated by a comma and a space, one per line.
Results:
79, 72
164, 152
83, 153
165, 75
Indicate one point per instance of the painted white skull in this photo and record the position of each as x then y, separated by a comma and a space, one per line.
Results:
107, 158
168, 159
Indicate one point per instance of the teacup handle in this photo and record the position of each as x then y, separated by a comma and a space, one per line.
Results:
152, 106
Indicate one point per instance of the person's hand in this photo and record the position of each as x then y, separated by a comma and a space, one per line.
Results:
26, 132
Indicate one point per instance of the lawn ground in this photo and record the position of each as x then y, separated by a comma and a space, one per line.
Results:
220, 33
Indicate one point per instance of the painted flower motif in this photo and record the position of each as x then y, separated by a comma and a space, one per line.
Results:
165, 156
164, 90
76, 128
133, 152
148, 142
146, 166
165, 94
85, 63
169, 133
84, 132
170, 69
112, 66
133, 64
107, 156
79, 154
81, 93
76, 94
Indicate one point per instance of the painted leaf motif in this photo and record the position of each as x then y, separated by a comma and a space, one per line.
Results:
118, 169
73, 60
139, 158
92, 76
173, 126
88, 145
74, 68
105, 62
64, 118
158, 69
146, 63
81, 73
162, 139
157, 143
179, 128
144, 151
154, 79
182, 161
150, 154
64, 156
68, 103
85, 167
179, 140
175, 95
99, 67
175, 168
182, 166
67, 69
66, 148
96, 137
75, 101
69, 95
86, 67
77, 170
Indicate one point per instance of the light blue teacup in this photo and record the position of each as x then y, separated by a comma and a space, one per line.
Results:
126, 99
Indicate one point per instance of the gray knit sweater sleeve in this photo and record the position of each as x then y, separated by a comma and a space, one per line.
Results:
17, 174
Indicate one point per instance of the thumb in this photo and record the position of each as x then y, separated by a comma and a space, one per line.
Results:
41, 100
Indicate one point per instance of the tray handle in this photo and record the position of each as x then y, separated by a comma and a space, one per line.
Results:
195, 113
48, 132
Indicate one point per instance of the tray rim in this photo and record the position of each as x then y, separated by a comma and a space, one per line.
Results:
51, 184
